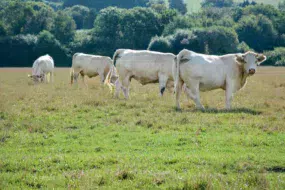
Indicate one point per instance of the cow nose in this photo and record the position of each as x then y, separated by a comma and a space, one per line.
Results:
251, 71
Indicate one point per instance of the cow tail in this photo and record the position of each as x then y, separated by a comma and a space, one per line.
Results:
176, 73
48, 77
112, 69
72, 69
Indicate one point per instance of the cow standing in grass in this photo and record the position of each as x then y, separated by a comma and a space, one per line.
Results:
144, 66
43, 69
91, 66
207, 72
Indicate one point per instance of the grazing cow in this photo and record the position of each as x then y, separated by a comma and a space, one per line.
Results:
43, 69
144, 66
90, 65
207, 72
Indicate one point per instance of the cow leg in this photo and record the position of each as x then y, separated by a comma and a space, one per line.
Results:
178, 91
229, 94
44, 79
52, 77
194, 93
125, 87
83, 80
75, 77
118, 88
169, 86
162, 83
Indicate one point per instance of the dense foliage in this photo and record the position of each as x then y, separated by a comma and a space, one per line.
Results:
30, 28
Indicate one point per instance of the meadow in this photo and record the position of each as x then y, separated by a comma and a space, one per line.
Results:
62, 136
195, 5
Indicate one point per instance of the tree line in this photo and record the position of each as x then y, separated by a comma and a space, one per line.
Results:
29, 29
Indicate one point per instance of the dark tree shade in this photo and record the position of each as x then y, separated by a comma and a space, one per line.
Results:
101, 4
179, 5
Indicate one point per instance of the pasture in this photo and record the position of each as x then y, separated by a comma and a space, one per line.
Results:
62, 136
195, 5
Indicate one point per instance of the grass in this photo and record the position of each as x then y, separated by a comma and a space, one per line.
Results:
195, 5
58, 136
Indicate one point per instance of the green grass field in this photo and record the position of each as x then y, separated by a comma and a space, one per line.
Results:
195, 5
58, 136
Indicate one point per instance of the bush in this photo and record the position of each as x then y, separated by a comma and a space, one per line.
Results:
213, 40
160, 44
220, 40
185, 39
17, 51
257, 31
243, 47
23, 50
275, 57
179, 22
82, 42
48, 44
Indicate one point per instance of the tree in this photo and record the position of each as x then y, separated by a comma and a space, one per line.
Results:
217, 3
64, 27
257, 31
247, 3
179, 5
138, 26
267, 10
80, 15
42, 18
16, 15
281, 5
101, 4
3, 31
106, 32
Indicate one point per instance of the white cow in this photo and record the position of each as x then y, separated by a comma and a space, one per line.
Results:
90, 65
43, 69
144, 66
207, 72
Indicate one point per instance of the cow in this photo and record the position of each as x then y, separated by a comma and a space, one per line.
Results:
90, 65
144, 66
43, 69
208, 72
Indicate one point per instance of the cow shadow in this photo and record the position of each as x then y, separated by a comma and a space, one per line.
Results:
220, 111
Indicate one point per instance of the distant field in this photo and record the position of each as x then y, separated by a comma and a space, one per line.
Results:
194, 5
58, 136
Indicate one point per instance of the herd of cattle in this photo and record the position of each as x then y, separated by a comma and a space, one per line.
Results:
191, 71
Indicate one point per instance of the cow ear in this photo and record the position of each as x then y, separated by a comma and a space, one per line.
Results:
240, 58
260, 58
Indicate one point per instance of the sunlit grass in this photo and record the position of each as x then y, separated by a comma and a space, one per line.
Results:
62, 136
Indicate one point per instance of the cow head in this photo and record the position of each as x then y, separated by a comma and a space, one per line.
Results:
250, 60
36, 78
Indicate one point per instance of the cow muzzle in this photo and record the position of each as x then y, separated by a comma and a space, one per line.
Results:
251, 71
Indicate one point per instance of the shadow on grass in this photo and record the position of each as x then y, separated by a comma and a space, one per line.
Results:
277, 169
217, 111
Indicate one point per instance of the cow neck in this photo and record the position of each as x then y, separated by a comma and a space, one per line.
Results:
243, 75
